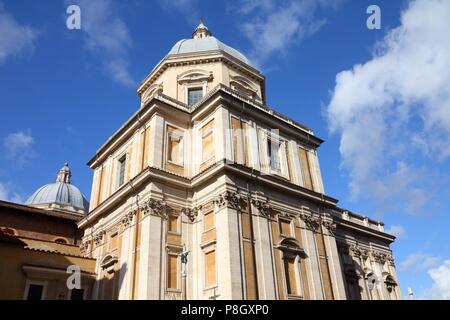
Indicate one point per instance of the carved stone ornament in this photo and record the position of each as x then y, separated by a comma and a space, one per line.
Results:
191, 213
155, 207
263, 207
379, 257
310, 220
330, 225
228, 199
98, 238
84, 246
357, 251
128, 219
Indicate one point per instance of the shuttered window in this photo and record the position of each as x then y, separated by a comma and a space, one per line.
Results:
172, 271
291, 276
207, 141
208, 221
305, 169
240, 141
210, 268
174, 145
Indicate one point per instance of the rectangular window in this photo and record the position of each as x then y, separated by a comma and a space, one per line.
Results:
35, 292
121, 168
208, 221
207, 141
77, 294
285, 227
305, 168
172, 271
240, 141
194, 95
173, 223
291, 276
174, 146
273, 148
210, 268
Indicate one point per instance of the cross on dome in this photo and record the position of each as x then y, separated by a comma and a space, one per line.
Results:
201, 31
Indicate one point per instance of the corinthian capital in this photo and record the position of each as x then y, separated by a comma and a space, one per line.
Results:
263, 207
156, 207
228, 199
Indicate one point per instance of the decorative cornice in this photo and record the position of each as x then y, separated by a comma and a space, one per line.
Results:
263, 207
229, 199
191, 213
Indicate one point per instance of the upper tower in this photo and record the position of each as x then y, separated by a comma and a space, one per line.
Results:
60, 195
195, 66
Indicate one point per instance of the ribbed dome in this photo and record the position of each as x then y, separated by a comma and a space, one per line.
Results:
60, 195
203, 41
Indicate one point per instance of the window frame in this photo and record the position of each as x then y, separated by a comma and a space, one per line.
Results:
168, 135
30, 282
204, 135
121, 160
196, 87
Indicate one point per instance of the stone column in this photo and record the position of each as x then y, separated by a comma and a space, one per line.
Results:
228, 252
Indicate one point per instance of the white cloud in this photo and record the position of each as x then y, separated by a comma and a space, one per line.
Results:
18, 147
15, 39
107, 36
6, 194
395, 107
419, 261
396, 230
440, 276
272, 27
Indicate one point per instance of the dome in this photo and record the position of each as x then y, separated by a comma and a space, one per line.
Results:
202, 40
60, 195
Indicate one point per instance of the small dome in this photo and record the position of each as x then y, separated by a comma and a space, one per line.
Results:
60, 195
202, 40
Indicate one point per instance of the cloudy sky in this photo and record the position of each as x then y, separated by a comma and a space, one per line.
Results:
380, 98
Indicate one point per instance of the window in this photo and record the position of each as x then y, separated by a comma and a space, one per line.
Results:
285, 227
210, 268
122, 166
77, 294
194, 95
208, 221
35, 290
240, 141
307, 180
172, 271
61, 241
173, 223
174, 146
291, 276
273, 148
207, 141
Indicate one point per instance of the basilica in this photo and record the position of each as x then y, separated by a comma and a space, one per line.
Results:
205, 192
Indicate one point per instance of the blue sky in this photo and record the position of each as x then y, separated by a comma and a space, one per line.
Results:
379, 98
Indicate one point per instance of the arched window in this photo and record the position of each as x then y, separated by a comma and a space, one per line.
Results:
61, 241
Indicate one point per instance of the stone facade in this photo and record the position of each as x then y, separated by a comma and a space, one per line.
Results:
235, 183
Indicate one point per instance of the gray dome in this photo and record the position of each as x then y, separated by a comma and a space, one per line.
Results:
203, 41
60, 195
